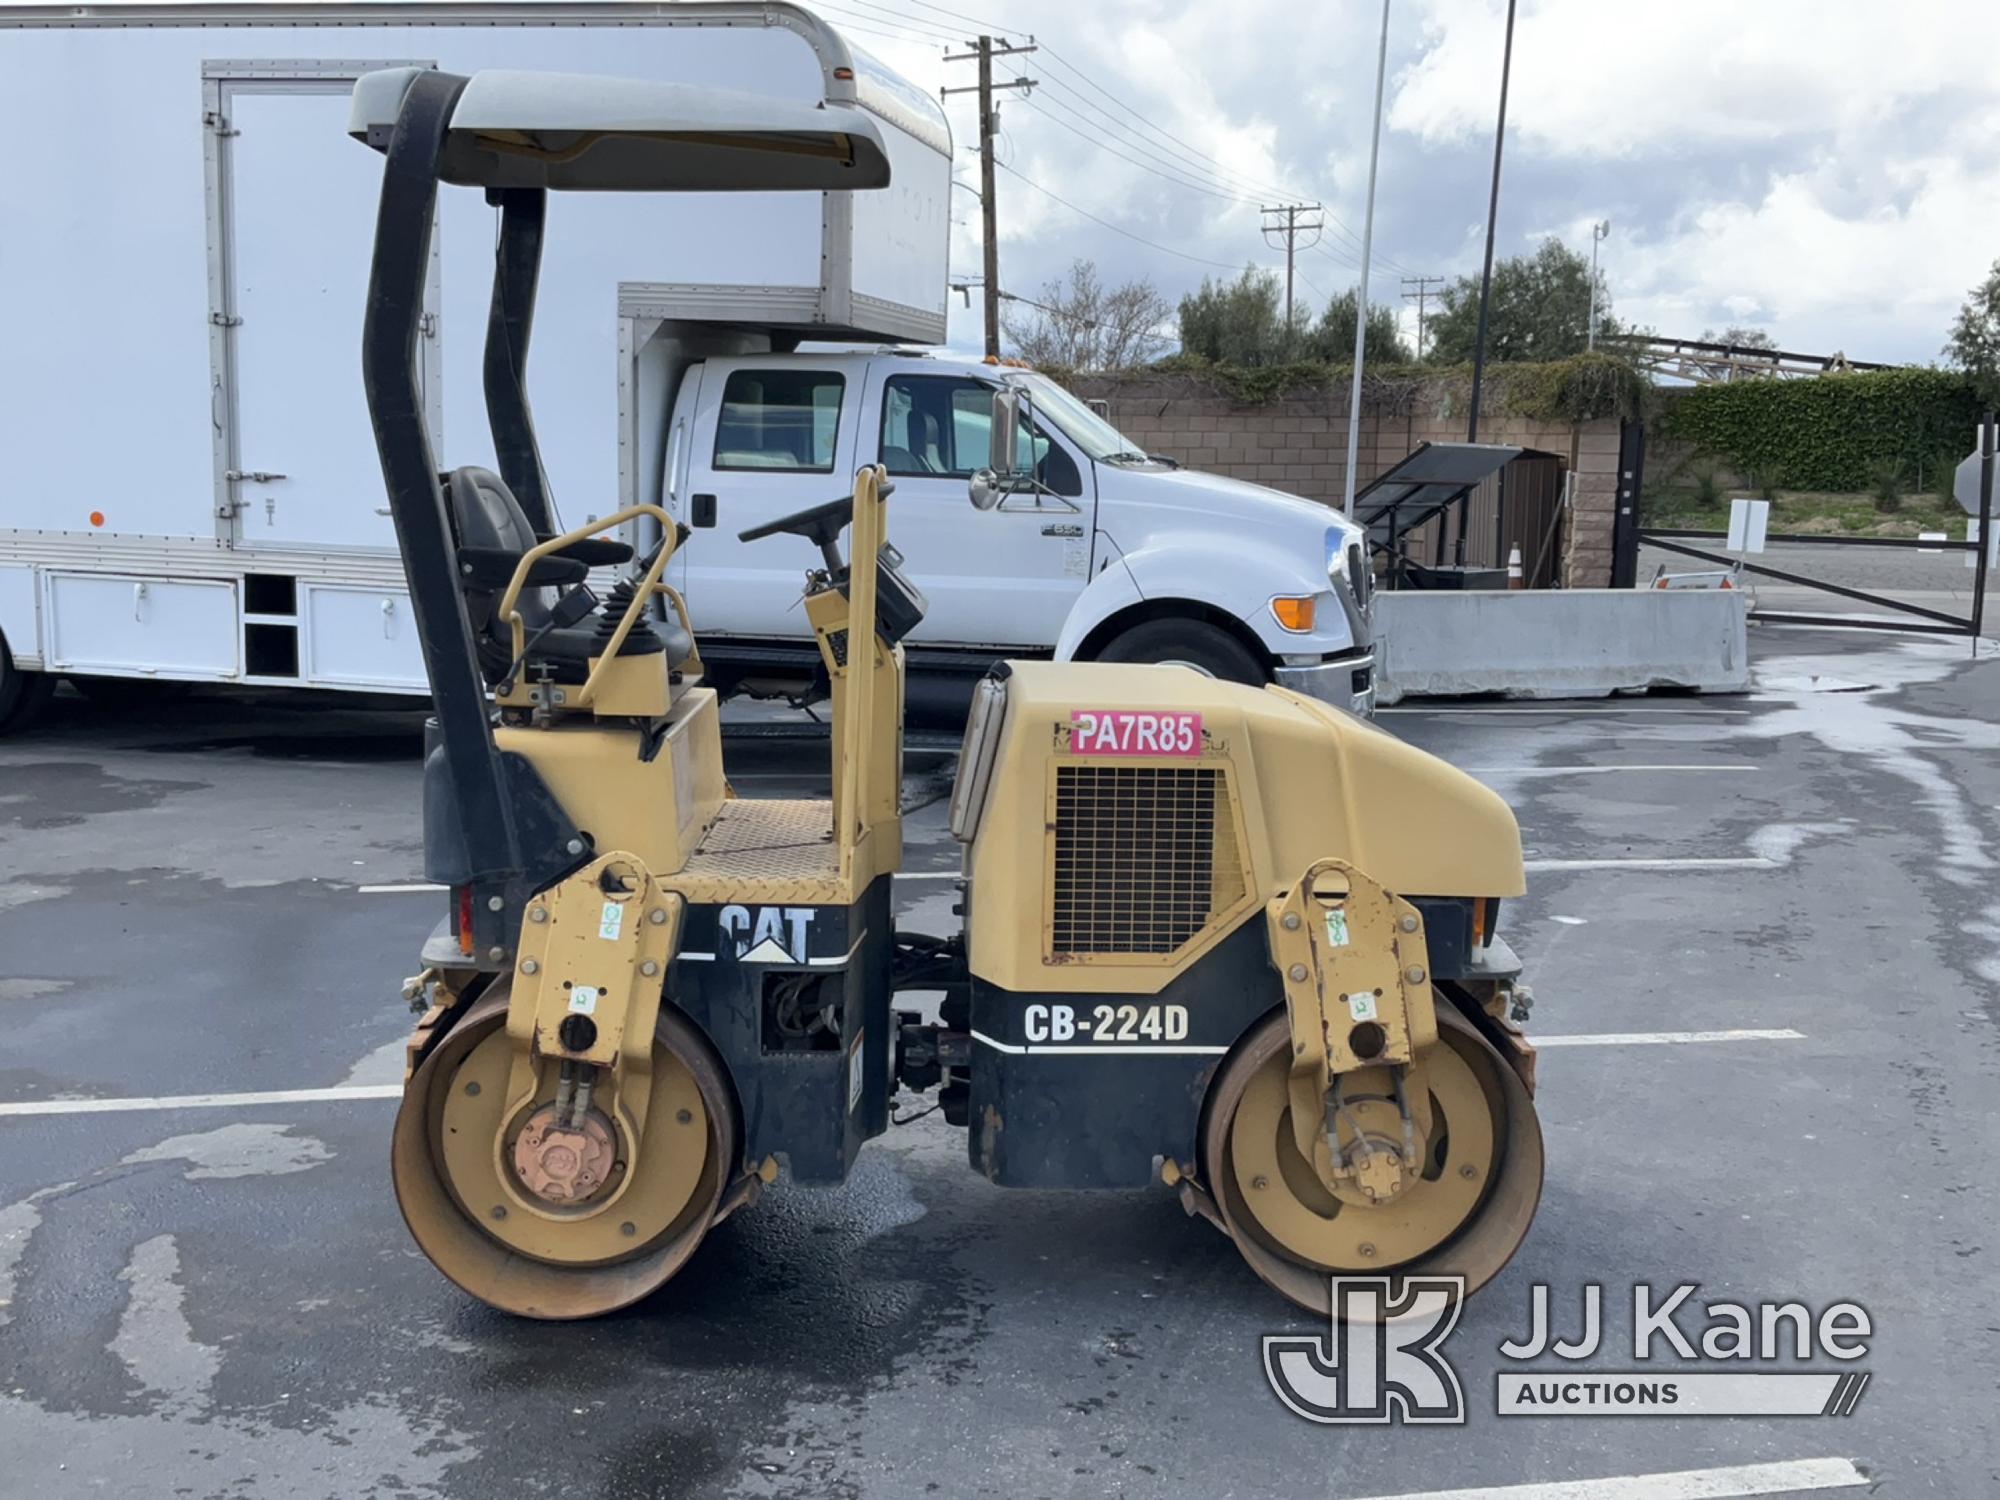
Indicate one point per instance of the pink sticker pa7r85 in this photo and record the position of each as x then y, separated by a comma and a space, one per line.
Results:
1134, 731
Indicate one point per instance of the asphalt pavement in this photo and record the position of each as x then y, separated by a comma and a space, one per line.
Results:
1763, 933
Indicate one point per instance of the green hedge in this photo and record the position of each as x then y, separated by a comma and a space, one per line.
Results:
1579, 389
1832, 432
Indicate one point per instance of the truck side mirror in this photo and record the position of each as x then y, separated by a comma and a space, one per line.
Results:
986, 487
1003, 431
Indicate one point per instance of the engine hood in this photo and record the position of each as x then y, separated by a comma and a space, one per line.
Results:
1204, 499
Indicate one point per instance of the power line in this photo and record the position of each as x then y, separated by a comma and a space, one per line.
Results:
1374, 274
1263, 189
855, 21
1184, 161
1179, 155
961, 17
1201, 260
1135, 161
930, 30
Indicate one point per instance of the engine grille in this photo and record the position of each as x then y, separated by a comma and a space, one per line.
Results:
1145, 857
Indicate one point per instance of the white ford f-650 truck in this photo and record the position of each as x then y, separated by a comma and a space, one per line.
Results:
1108, 554
204, 504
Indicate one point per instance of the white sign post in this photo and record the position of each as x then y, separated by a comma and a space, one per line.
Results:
1749, 522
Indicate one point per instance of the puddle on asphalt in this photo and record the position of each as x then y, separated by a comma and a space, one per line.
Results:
260, 1150
155, 1341
1787, 684
33, 989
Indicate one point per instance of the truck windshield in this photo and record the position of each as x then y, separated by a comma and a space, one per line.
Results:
1081, 425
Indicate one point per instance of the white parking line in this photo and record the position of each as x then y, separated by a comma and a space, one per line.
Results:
1575, 712
1662, 1038
337, 1094
344, 1093
1743, 862
397, 890
1593, 770
1684, 1484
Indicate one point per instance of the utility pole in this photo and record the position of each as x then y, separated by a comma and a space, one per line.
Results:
1291, 228
1492, 218
983, 52
1599, 232
1420, 296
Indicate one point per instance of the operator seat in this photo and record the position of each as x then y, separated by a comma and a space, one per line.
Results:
564, 628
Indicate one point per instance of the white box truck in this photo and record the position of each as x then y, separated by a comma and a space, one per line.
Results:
190, 493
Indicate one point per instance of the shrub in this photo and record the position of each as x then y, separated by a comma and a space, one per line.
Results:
1885, 483
1707, 485
1827, 433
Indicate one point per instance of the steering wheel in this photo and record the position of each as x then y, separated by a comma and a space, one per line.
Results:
819, 524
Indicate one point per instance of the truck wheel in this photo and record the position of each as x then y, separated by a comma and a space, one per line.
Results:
23, 694
1188, 643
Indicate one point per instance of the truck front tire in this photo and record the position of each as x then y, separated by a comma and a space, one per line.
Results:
1191, 643
23, 694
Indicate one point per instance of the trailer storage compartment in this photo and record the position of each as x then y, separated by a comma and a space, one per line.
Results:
126, 625
361, 638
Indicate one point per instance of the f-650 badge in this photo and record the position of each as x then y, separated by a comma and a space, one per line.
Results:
1130, 731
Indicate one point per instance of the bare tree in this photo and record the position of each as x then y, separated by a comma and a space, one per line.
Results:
1079, 324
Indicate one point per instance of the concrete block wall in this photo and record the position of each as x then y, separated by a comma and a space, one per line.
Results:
1298, 442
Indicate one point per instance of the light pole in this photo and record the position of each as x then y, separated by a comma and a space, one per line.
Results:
1492, 219
1599, 233
1361, 290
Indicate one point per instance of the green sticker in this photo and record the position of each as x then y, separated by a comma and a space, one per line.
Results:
1336, 927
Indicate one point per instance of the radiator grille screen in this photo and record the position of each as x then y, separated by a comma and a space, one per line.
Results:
1145, 857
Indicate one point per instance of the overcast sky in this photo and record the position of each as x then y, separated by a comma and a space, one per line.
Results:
1828, 170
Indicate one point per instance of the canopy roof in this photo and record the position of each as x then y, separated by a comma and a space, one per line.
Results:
578, 131
1431, 478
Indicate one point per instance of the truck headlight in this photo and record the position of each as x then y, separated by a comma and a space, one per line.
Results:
1347, 565
1336, 554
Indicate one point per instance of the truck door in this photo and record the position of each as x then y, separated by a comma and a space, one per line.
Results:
770, 437
1004, 577
292, 211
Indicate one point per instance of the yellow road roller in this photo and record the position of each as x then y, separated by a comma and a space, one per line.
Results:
1231, 941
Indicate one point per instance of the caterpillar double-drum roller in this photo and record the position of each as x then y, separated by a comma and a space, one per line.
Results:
1229, 940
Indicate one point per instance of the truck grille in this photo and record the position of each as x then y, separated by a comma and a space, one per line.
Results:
1144, 857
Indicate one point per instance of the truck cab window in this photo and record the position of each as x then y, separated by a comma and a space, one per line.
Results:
936, 426
779, 420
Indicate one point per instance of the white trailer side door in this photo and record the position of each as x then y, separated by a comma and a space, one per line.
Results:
293, 206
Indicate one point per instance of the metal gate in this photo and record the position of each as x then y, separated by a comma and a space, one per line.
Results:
1915, 617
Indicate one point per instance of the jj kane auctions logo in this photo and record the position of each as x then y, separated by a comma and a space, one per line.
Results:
1382, 1359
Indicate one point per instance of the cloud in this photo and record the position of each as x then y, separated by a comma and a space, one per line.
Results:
1825, 171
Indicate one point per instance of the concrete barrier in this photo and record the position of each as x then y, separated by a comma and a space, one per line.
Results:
1560, 643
